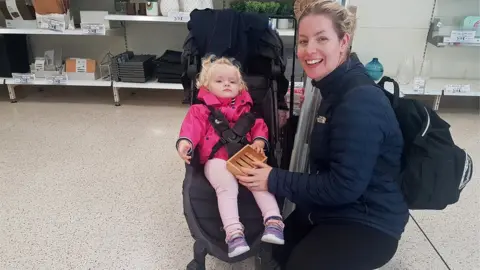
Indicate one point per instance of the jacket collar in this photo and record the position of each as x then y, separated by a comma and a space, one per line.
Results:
331, 85
211, 100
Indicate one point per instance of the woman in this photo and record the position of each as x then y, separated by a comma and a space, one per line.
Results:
350, 212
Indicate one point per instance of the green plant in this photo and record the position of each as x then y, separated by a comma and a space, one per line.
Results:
238, 5
261, 7
252, 6
285, 9
271, 8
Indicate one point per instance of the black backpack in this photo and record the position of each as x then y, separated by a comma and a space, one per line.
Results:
434, 169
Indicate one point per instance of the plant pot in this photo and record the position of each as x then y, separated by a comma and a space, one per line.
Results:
167, 6
282, 24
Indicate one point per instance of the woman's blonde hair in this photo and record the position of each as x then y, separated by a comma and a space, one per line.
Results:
212, 61
344, 21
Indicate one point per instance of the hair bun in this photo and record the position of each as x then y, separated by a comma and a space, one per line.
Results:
299, 6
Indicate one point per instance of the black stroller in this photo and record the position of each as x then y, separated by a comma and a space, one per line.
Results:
263, 67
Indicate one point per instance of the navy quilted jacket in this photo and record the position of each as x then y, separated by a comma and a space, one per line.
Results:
355, 151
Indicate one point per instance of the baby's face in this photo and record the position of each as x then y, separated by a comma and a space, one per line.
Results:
225, 82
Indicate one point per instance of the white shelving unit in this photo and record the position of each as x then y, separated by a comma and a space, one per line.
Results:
44, 81
286, 32
148, 85
67, 32
182, 18
177, 18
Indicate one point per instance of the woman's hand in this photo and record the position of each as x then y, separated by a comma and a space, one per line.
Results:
183, 149
255, 179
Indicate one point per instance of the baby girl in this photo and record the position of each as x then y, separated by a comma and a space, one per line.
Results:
221, 86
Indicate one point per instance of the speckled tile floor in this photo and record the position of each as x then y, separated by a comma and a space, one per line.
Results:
86, 185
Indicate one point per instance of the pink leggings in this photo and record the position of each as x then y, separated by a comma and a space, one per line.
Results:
226, 187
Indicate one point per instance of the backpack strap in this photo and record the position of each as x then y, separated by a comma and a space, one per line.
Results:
234, 138
396, 90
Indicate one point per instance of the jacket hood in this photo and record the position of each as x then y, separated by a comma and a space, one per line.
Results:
211, 100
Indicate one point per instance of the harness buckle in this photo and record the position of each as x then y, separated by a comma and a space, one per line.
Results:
229, 136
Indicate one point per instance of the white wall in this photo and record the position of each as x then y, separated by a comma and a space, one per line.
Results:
393, 29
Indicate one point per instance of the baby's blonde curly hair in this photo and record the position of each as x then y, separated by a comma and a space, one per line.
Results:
212, 61
343, 20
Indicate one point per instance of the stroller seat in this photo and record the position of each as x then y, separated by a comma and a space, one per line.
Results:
267, 88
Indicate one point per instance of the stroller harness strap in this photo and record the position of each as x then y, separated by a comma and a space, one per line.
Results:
234, 138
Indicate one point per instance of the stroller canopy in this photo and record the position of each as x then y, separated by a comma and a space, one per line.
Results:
231, 33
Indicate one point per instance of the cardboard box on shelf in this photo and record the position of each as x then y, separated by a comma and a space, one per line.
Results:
44, 7
94, 17
56, 22
81, 69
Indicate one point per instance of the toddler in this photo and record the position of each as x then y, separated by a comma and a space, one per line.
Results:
221, 86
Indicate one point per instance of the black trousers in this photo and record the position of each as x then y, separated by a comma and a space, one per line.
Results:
333, 245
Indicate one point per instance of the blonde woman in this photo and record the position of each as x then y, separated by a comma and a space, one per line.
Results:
350, 211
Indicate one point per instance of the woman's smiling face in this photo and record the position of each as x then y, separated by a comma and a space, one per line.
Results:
320, 50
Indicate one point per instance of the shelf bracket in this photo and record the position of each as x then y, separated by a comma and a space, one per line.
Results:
125, 39
11, 93
116, 95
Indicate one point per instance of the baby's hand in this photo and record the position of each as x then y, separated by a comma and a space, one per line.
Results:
183, 148
258, 145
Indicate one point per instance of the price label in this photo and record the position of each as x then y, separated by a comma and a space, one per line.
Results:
58, 79
418, 84
179, 16
462, 36
81, 65
457, 88
93, 28
54, 25
23, 78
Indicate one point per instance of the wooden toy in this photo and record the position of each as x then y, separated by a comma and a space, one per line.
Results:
244, 158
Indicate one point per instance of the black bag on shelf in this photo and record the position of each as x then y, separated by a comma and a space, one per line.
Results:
13, 55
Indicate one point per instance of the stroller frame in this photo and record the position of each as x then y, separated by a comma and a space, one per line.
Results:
261, 251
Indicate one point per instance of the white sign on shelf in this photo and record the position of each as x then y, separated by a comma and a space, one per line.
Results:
179, 16
457, 88
39, 64
81, 65
93, 28
55, 25
462, 36
419, 84
23, 78
57, 79
296, 85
